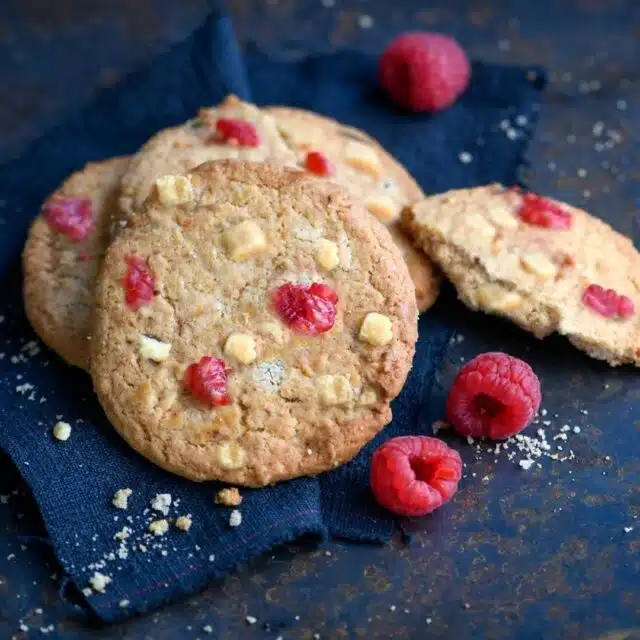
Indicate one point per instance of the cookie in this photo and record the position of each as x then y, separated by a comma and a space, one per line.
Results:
63, 254
546, 265
252, 325
232, 130
361, 165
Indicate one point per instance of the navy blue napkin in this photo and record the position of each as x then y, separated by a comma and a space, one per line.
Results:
73, 482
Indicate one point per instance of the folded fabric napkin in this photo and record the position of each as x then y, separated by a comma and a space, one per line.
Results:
73, 483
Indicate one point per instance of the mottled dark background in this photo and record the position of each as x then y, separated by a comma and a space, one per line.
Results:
551, 553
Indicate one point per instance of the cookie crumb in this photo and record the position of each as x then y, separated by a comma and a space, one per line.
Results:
235, 518
365, 21
440, 425
123, 604
230, 497
250, 619
161, 503
99, 582
628, 529
158, 527
121, 498
62, 431
465, 157
207, 628
184, 522
526, 464
87, 593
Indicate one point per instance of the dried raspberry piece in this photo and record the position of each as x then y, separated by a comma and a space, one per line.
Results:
72, 217
493, 396
207, 381
239, 132
307, 309
319, 164
139, 284
607, 302
541, 212
413, 475
424, 71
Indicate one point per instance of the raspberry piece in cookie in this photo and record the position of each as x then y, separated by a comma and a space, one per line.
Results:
493, 396
138, 283
279, 276
207, 381
318, 163
607, 302
553, 268
542, 212
238, 132
63, 254
424, 71
72, 217
414, 475
307, 309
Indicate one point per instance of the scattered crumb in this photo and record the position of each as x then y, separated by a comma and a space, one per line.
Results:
121, 497
99, 582
628, 529
251, 620
465, 157
161, 503
184, 522
429, 621
207, 628
123, 604
235, 518
365, 21
526, 464
62, 431
229, 496
440, 425
392, 607
158, 527
87, 593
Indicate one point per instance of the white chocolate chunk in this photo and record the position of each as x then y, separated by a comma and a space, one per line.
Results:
174, 189
327, 254
384, 208
368, 398
495, 297
244, 240
242, 347
538, 264
502, 215
231, 455
152, 349
376, 329
334, 389
363, 158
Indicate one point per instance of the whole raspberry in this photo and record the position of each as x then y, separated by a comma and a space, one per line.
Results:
139, 283
413, 475
493, 396
318, 163
238, 132
73, 217
424, 71
541, 212
207, 381
307, 309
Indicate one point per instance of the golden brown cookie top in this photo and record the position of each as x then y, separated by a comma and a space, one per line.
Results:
298, 301
232, 130
63, 254
544, 264
361, 165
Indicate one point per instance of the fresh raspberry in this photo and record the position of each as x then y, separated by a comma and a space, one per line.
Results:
541, 212
424, 71
72, 217
307, 309
607, 302
319, 164
139, 284
238, 132
414, 475
493, 396
207, 381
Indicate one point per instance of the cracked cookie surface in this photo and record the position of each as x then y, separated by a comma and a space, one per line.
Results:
545, 265
62, 257
362, 166
282, 324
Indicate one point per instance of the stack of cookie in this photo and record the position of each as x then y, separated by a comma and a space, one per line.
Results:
244, 289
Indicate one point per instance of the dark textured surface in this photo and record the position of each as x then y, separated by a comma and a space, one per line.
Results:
545, 553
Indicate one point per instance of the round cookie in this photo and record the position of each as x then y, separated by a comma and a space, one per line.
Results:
370, 173
63, 254
240, 264
179, 149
